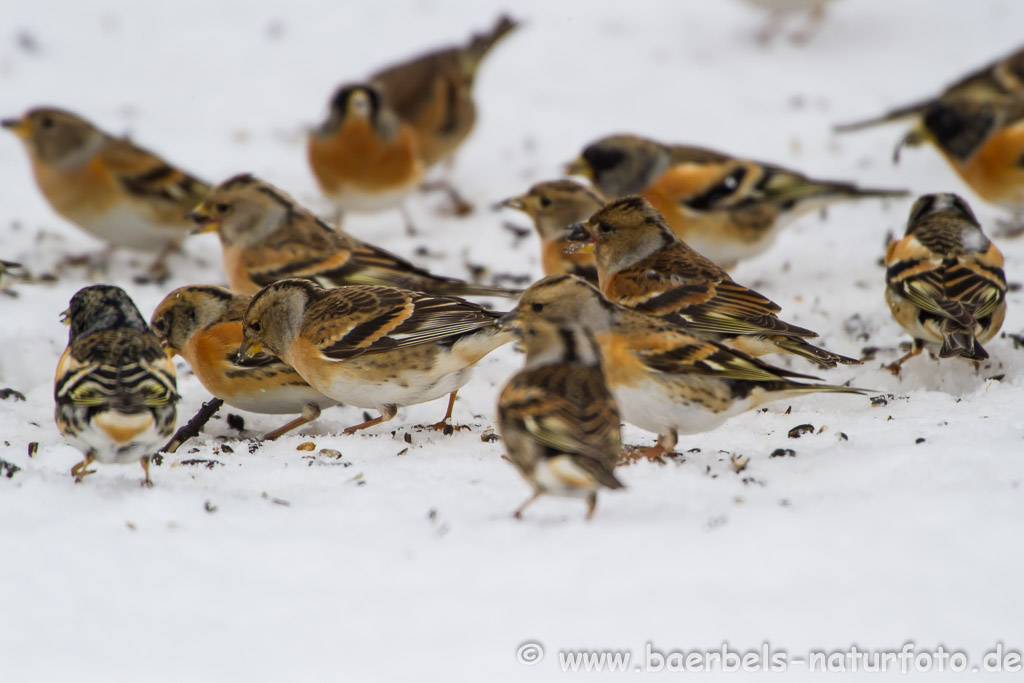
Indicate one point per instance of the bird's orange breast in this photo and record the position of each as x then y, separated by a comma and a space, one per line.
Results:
355, 155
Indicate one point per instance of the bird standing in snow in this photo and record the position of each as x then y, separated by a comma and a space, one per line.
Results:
944, 281
115, 387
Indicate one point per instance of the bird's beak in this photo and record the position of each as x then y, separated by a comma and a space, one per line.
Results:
203, 220
508, 320
19, 127
579, 166
65, 316
517, 203
248, 350
584, 241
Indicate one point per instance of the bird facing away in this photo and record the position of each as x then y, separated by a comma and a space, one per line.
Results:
664, 379
727, 208
642, 265
266, 236
203, 325
553, 206
977, 124
115, 387
557, 419
944, 280
372, 347
108, 186
380, 136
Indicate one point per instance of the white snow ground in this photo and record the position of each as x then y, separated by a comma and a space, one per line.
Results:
400, 561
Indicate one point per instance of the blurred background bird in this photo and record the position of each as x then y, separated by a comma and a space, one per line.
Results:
779, 11
553, 206
381, 136
727, 208
108, 186
115, 388
557, 418
944, 281
977, 124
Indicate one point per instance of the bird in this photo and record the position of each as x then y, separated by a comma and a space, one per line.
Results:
557, 418
115, 388
642, 265
664, 378
370, 346
945, 283
108, 186
727, 208
266, 236
977, 124
553, 206
380, 136
203, 325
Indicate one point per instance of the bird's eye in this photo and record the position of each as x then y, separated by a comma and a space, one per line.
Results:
605, 227
46, 122
159, 326
255, 325
544, 202
537, 308
222, 207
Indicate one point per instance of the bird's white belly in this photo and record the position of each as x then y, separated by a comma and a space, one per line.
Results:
108, 451
281, 401
649, 406
404, 389
122, 226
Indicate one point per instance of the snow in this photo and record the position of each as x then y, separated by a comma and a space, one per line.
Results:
399, 561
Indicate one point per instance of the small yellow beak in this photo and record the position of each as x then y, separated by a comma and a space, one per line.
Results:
579, 248
65, 316
579, 166
203, 220
19, 127
247, 351
517, 203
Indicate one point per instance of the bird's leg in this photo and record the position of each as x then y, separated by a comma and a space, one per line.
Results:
81, 470
410, 229
147, 482
518, 514
459, 207
895, 368
96, 262
338, 214
591, 505
445, 424
157, 273
310, 412
386, 413
666, 442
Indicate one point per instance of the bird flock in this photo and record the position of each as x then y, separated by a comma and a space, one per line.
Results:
636, 320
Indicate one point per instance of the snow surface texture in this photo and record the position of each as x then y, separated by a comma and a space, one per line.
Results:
399, 560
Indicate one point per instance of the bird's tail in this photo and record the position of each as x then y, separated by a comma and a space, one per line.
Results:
962, 343
460, 288
481, 43
782, 389
888, 117
815, 354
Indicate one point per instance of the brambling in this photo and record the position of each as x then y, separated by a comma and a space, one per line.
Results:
553, 206
203, 324
642, 265
372, 347
108, 186
115, 387
266, 236
725, 207
944, 280
664, 379
557, 418
977, 124
380, 136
